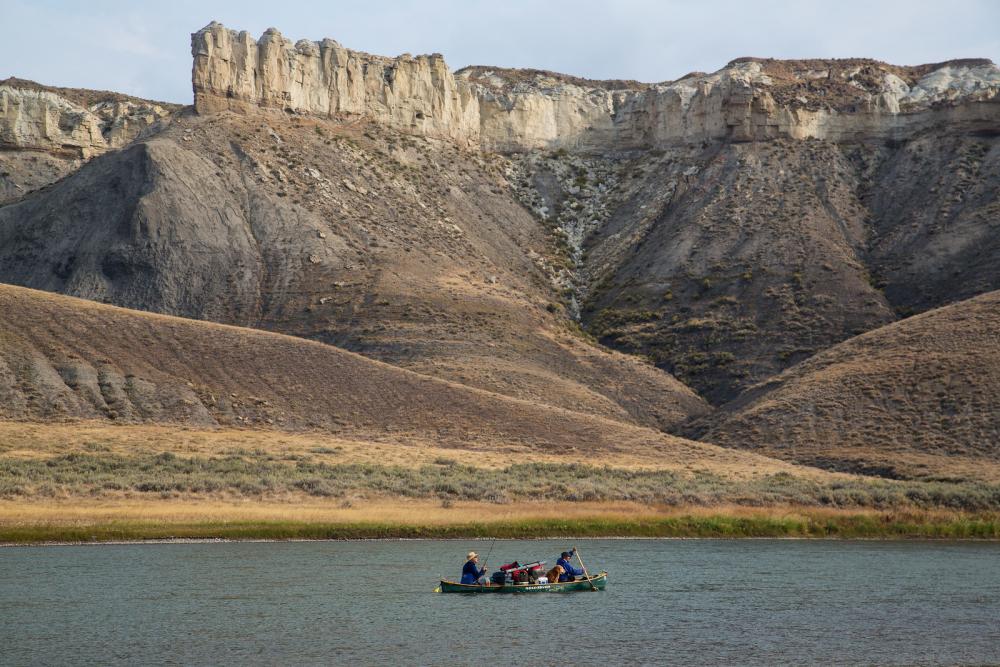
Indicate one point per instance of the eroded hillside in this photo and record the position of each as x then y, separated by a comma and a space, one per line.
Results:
406, 249
912, 399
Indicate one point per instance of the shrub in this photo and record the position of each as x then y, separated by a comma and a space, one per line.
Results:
95, 475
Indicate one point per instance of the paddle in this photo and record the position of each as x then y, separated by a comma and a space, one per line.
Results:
487, 559
585, 573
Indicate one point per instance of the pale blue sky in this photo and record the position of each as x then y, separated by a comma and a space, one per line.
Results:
144, 48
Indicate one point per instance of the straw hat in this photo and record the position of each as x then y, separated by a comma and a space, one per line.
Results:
472, 554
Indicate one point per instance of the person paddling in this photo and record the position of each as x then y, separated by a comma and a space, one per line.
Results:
471, 574
569, 572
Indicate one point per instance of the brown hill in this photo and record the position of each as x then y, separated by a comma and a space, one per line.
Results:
63, 358
916, 398
405, 249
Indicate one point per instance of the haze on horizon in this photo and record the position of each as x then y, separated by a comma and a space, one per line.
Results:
145, 50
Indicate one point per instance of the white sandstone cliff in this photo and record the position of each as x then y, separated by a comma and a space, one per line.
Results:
32, 118
233, 71
515, 110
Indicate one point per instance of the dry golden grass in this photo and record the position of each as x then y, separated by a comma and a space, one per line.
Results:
22, 522
404, 512
398, 511
29, 440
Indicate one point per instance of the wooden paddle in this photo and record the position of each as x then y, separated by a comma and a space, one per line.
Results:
585, 573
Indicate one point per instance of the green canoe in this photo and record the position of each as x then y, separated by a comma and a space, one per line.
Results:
599, 581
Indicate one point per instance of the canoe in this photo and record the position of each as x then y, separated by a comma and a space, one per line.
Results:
599, 581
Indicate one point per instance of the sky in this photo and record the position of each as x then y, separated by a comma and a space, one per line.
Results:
143, 49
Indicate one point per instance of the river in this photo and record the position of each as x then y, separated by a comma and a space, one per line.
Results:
667, 602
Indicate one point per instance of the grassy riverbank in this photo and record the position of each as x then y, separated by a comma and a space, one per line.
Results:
24, 525
137, 483
251, 475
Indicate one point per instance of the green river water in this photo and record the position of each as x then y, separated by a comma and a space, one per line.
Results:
691, 602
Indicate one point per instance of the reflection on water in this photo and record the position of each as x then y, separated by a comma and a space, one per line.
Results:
668, 601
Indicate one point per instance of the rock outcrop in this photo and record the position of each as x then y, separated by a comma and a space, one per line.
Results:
34, 117
516, 110
748, 100
233, 71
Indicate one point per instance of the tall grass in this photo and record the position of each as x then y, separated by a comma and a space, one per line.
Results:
721, 526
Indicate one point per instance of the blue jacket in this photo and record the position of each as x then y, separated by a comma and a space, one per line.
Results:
569, 570
470, 574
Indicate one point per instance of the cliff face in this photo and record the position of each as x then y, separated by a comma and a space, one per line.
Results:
420, 95
745, 101
34, 117
516, 110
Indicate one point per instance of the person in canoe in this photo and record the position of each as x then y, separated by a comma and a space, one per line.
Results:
569, 573
471, 573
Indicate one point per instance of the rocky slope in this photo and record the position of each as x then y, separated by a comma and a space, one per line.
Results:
915, 398
405, 249
46, 133
728, 262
